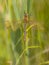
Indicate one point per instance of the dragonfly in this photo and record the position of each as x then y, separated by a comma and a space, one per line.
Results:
25, 24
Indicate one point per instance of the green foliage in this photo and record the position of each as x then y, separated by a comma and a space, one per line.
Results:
34, 49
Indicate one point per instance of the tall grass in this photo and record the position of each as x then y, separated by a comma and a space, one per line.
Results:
24, 41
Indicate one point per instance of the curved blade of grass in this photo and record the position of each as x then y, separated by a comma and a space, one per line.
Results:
29, 47
32, 25
40, 53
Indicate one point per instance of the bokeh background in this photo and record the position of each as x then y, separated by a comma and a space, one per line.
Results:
24, 41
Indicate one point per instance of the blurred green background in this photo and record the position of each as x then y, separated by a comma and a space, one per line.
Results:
24, 42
